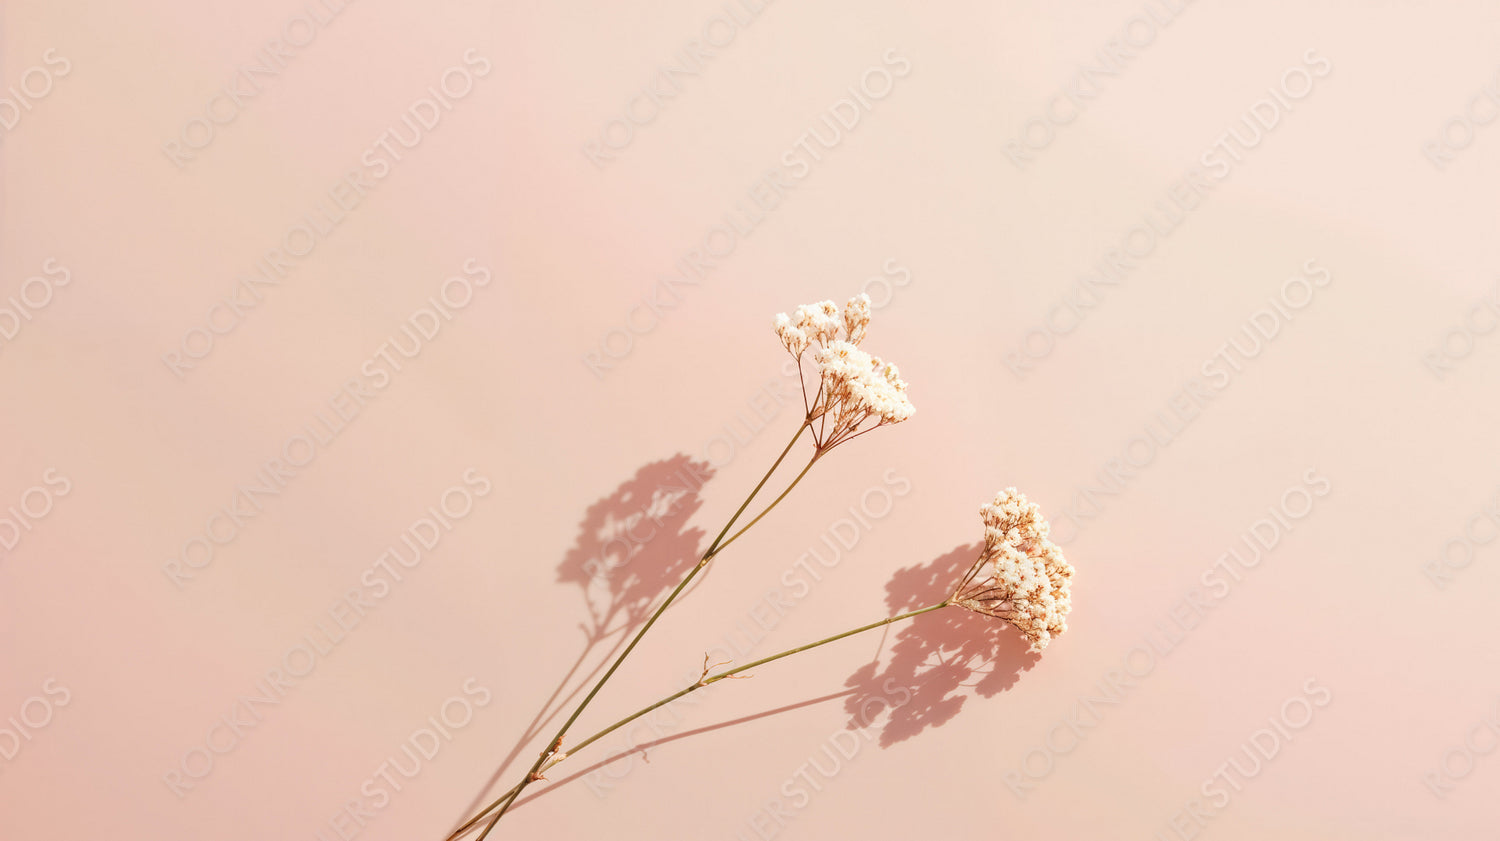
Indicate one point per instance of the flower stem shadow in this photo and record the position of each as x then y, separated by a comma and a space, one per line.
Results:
942, 658
633, 545
708, 728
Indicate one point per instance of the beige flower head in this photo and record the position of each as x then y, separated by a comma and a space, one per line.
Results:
853, 387
822, 323
819, 321
857, 318
856, 387
1021, 576
793, 338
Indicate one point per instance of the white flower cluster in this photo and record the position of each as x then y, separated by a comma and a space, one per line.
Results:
821, 323
857, 317
1021, 576
793, 338
857, 385
853, 386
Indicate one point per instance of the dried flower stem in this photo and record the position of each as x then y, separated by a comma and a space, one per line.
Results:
510, 796
503, 804
853, 387
761, 662
505, 800
817, 455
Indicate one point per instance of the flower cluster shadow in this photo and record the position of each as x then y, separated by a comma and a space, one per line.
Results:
633, 545
942, 658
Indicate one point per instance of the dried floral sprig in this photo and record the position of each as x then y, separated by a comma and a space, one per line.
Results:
853, 387
1020, 577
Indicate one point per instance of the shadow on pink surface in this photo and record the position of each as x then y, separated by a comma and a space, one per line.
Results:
632, 547
644, 748
939, 659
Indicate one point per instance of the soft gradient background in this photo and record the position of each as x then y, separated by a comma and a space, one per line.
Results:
149, 666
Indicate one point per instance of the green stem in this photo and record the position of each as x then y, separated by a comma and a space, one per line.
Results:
515, 792
761, 662
714, 547
736, 535
469, 824
503, 804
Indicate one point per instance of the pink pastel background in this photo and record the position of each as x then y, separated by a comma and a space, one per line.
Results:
140, 668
